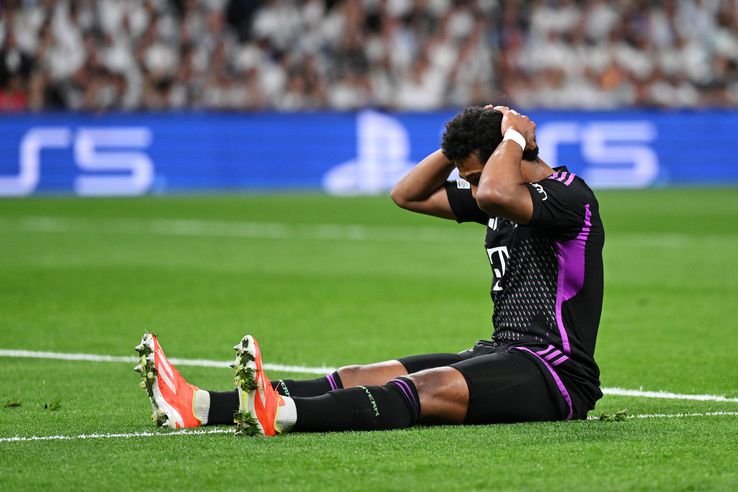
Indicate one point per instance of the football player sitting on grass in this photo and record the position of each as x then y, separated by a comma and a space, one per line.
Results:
544, 239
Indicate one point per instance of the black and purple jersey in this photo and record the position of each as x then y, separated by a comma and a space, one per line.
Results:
547, 280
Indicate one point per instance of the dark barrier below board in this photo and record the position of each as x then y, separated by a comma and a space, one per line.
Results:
340, 153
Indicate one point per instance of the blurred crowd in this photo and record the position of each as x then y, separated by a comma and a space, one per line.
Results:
101, 55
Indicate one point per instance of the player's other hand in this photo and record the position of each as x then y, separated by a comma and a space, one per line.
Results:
520, 122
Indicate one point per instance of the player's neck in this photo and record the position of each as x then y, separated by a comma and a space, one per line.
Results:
533, 171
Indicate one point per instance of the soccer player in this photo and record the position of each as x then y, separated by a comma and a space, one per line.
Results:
544, 241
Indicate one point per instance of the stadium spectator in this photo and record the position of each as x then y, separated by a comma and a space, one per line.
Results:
330, 54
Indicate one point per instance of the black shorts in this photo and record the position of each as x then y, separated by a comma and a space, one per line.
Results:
504, 384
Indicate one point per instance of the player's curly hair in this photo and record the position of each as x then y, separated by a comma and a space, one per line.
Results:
475, 130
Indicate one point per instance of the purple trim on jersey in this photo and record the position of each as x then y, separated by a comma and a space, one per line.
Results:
557, 379
541, 352
560, 360
553, 176
562, 177
571, 178
553, 355
570, 256
332, 382
408, 393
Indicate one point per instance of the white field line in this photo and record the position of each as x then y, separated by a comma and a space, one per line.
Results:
195, 432
333, 232
30, 354
200, 432
666, 395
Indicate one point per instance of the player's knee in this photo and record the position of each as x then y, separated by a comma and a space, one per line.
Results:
443, 393
437, 383
350, 375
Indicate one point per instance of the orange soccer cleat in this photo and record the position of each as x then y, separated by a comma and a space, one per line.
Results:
259, 403
172, 398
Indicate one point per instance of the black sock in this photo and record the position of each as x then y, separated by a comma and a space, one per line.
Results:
308, 387
393, 406
223, 404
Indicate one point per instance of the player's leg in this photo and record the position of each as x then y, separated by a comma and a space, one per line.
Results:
178, 404
363, 375
223, 404
438, 395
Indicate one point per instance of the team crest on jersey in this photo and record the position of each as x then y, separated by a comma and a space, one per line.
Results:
463, 184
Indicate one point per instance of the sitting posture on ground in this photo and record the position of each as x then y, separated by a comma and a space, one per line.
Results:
544, 240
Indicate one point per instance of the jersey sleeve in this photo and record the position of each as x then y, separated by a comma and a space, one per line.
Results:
463, 204
559, 207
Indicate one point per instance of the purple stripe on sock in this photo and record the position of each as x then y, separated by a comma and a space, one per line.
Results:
333, 384
413, 399
558, 361
553, 355
557, 379
408, 393
405, 392
571, 178
571, 257
541, 352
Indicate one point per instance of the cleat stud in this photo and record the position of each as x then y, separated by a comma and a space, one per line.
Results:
139, 368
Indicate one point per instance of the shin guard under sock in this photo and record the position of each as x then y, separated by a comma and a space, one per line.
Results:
393, 406
308, 387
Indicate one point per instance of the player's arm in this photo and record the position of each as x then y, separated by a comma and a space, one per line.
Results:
422, 189
502, 192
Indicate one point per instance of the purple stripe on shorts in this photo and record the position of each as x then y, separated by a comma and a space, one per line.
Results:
571, 178
332, 382
541, 352
571, 257
553, 355
557, 379
408, 393
558, 361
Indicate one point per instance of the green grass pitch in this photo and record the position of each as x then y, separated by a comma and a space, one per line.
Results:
331, 281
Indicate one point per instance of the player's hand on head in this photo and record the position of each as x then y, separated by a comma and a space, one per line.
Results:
520, 122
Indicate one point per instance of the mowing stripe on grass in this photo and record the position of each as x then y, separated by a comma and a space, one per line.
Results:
237, 229
333, 232
31, 354
200, 432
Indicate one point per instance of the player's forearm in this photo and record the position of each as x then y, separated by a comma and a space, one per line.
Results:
425, 178
501, 179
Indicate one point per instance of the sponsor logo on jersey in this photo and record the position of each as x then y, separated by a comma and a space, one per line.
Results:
498, 259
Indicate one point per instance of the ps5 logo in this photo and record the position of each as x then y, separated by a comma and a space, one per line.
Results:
110, 159
617, 154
